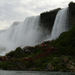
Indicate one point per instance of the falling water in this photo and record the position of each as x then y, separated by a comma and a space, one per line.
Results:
27, 33
60, 24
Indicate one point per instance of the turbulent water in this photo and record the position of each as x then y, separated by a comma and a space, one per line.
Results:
33, 73
29, 32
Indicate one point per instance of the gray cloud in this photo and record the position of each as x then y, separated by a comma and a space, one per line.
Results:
18, 10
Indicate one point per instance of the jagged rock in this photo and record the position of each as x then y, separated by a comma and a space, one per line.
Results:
47, 19
72, 8
65, 59
71, 19
54, 58
60, 63
49, 67
20, 64
70, 62
67, 65
31, 69
72, 67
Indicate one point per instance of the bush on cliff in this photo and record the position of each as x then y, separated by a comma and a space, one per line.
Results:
47, 18
66, 43
72, 8
18, 53
71, 15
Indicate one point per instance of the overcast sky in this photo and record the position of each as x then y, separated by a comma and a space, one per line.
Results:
18, 10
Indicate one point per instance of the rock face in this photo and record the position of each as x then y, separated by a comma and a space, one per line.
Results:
71, 15
47, 18
49, 67
65, 59
72, 8
71, 65
62, 63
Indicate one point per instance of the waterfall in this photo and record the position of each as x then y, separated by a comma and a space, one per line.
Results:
27, 33
60, 24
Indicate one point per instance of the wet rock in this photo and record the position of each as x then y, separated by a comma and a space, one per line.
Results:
54, 58
70, 62
72, 8
72, 67
49, 67
60, 63
65, 59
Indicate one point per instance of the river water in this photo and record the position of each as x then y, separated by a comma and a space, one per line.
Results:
34, 73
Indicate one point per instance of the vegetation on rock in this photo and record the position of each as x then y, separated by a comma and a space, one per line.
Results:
71, 15
47, 18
